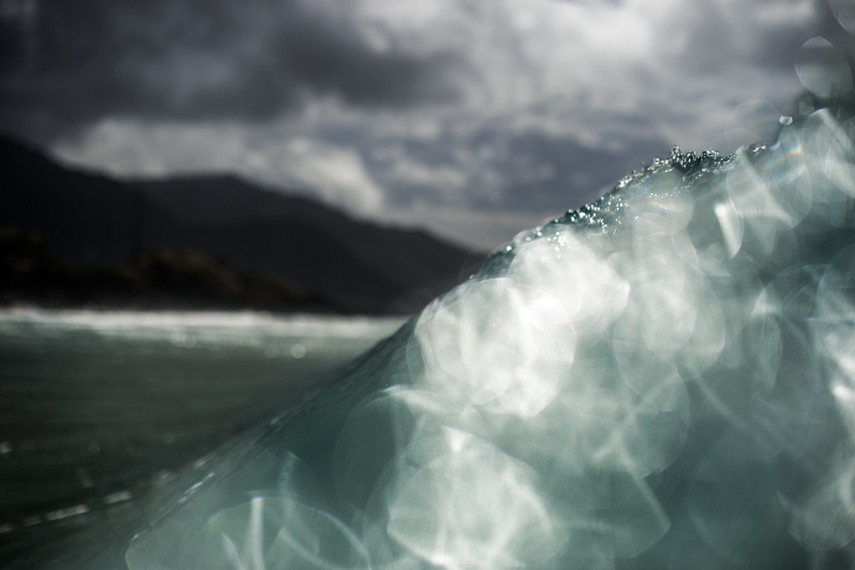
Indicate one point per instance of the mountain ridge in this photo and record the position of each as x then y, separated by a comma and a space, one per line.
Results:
93, 219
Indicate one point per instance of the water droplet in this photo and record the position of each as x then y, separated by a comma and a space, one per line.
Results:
822, 68
750, 122
298, 351
844, 11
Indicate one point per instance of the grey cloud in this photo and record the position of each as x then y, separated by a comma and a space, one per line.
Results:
457, 106
75, 62
495, 167
706, 37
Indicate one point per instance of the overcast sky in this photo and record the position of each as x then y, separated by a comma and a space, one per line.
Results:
474, 118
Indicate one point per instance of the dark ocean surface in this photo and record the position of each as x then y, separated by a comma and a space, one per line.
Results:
97, 409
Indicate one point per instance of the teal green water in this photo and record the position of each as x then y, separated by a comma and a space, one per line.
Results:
664, 379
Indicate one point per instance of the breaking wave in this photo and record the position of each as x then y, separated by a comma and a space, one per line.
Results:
662, 379
666, 376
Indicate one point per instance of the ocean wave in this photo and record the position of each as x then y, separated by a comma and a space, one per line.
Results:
666, 376
662, 379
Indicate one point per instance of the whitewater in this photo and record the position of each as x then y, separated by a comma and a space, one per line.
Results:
662, 379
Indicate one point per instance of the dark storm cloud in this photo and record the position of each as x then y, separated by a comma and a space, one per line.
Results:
435, 112
65, 64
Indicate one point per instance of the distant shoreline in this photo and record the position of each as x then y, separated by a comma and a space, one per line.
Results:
24, 307
18, 309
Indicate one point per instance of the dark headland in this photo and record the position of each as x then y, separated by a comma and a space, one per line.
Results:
75, 238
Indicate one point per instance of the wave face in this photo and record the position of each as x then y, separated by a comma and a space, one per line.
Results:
662, 379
